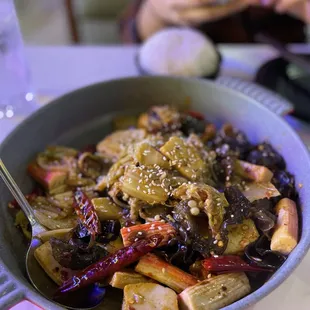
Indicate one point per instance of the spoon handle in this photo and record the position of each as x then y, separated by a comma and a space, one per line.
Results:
16, 192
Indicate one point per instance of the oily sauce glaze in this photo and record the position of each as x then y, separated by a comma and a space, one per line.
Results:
172, 199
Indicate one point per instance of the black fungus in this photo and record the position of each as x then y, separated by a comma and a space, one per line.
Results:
178, 253
285, 184
191, 124
81, 232
75, 256
258, 253
231, 139
261, 212
239, 206
193, 231
222, 170
264, 154
110, 230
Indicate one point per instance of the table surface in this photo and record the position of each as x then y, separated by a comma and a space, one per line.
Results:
56, 70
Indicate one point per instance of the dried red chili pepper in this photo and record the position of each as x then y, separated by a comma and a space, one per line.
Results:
110, 264
196, 115
86, 212
229, 263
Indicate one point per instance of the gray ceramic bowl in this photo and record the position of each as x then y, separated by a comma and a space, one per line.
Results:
84, 117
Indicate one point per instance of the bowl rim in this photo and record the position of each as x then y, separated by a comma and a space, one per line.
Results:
291, 263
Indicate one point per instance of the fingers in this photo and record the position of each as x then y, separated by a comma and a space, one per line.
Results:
188, 3
301, 11
197, 15
267, 3
283, 5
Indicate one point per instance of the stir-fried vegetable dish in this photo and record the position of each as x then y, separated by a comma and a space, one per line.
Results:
175, 212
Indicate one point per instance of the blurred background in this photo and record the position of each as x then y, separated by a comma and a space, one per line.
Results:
58, 22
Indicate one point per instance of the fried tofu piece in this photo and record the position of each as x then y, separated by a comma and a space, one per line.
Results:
149, 296
216, 292
57, 233
125, 277
43, 254
253, 172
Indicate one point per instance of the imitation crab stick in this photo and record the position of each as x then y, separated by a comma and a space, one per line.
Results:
133, 233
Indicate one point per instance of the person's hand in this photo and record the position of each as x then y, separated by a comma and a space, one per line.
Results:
298, 8
194, 12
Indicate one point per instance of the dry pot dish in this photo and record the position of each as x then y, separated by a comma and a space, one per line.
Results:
175, 212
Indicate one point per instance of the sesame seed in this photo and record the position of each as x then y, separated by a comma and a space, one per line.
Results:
163, 270
156, 217
160, 228
128, 230
194, 211
136, 239
192, 204
139, 233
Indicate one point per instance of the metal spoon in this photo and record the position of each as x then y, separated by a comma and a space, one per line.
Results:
87, 298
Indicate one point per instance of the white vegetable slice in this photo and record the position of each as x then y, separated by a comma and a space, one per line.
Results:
256, 191
253, 172
215, 293
149, 296
285, 236
125, 277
